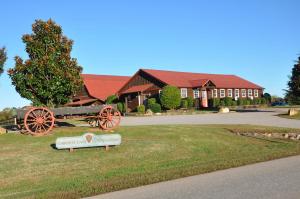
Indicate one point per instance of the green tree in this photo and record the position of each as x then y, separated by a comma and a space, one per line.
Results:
3, 58
293, 91
111, 99
121, 107
170, 97
268, 97
50, 76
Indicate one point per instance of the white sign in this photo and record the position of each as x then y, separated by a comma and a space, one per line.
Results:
88, 140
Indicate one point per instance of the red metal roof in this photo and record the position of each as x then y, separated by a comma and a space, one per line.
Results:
102, 86
138, 88
188, 79
198, 82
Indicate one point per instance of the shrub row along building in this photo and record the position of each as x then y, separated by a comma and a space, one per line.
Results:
148, 83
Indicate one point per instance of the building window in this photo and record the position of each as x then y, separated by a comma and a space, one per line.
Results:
229, 92
183, 92
196, 93
244, 94
237, 93
255, 93
249, 92
215, 93
222, 93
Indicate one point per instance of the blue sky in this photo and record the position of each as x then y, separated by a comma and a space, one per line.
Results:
258, 40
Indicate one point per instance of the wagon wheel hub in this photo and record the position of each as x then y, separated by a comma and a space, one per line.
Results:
40, 120
109, 118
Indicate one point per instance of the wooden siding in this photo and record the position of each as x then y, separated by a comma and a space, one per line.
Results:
84, 95
142, 78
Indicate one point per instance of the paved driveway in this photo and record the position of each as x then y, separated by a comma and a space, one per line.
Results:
265, 117
275, 179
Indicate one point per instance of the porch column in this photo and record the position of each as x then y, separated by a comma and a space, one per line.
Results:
139, 98
126, 104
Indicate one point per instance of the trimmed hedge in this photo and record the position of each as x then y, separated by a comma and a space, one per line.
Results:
222, 103
190, 102
141, 109
151, 101
184, 103
263, 101
234, 103
155, 108
170, 97
227, 101
214, 102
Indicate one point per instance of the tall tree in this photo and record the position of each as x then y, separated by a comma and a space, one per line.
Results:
3, 58
293, 91
50, 76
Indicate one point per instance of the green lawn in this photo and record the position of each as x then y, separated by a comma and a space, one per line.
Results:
31, 168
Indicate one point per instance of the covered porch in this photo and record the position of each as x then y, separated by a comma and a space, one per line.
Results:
138, 95
203, 91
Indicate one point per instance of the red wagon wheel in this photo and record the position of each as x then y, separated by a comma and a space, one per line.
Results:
39, 121
109, 118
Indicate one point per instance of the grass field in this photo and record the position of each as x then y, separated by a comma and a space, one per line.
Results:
31, 168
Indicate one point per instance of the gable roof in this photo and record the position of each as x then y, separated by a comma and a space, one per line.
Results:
138, 88
188, 79
102, 86
199, 82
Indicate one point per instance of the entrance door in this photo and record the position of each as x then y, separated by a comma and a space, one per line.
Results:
204, 101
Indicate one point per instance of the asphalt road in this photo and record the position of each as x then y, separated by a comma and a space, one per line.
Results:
275, 179
267, 117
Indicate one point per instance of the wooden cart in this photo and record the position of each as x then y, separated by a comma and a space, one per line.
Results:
40, 120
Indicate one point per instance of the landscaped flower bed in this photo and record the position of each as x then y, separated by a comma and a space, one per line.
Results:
293, 134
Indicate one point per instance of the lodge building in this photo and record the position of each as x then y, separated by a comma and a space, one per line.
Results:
96, 88
148, 83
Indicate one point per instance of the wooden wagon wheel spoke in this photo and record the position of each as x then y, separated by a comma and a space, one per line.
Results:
42, 113
39, 121
43, 127
47, 115
112, 124
47, 125
31, 116
34, 115
109, 118
35, 126
31, 120
104, 115
31, 123
107, 124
